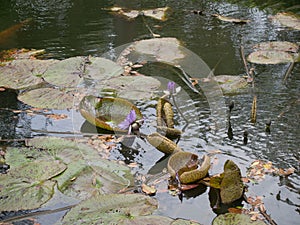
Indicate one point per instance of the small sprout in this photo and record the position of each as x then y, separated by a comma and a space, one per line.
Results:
245, 135
268, 125
231, 106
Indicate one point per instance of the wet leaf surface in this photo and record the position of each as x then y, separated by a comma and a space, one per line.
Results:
49, 98
230, 19
23, 73
28, 186
234, 219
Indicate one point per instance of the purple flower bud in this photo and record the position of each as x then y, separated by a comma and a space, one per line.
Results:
171, 87
130, 118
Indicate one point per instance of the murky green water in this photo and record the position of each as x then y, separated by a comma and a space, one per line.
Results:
71, 28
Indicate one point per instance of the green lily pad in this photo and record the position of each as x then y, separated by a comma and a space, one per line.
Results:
235, 219
133, 87
107, 113
270, 57
232, 187
231, 84
118, 209
28, 186
49, 98
86, 174
24, 73
188, 167
277, 46
288, 19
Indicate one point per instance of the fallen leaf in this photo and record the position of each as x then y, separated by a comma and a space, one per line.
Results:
230, 19
148, 190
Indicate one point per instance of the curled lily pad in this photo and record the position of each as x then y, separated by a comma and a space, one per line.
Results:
164, 113
171, 133
162, 143
270, 57
288, 19
107, 113
188, 167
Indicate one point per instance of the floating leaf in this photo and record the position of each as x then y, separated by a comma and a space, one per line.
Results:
188, 167
171, 133
66, 73
158, 13
270, 57
28, 186
288, 19
166, 50
232, 187
133, 87
277, 46
162, 143
148, 190
107, 113
86, 174
230, 19
109, 209
164, 113
24, 73
49, 98
235, 219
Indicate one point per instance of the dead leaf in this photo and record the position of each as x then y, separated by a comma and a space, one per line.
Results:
230, 19
148, 190
57, 116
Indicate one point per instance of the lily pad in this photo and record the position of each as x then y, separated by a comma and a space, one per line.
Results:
232, 187
24, 73
107, 113
166, 50
270, 57
188, 167
28, 186
133, 87
235, 219
86, 174
49, 98
162, 143
277, 46
118, 209
158, 13
288, 19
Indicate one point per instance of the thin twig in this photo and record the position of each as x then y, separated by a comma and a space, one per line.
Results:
268, 218
244, 61
288, 71
148, 27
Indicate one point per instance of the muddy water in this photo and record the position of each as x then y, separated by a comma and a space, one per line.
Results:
70, 28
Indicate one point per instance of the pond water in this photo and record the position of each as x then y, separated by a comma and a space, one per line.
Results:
71, 28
